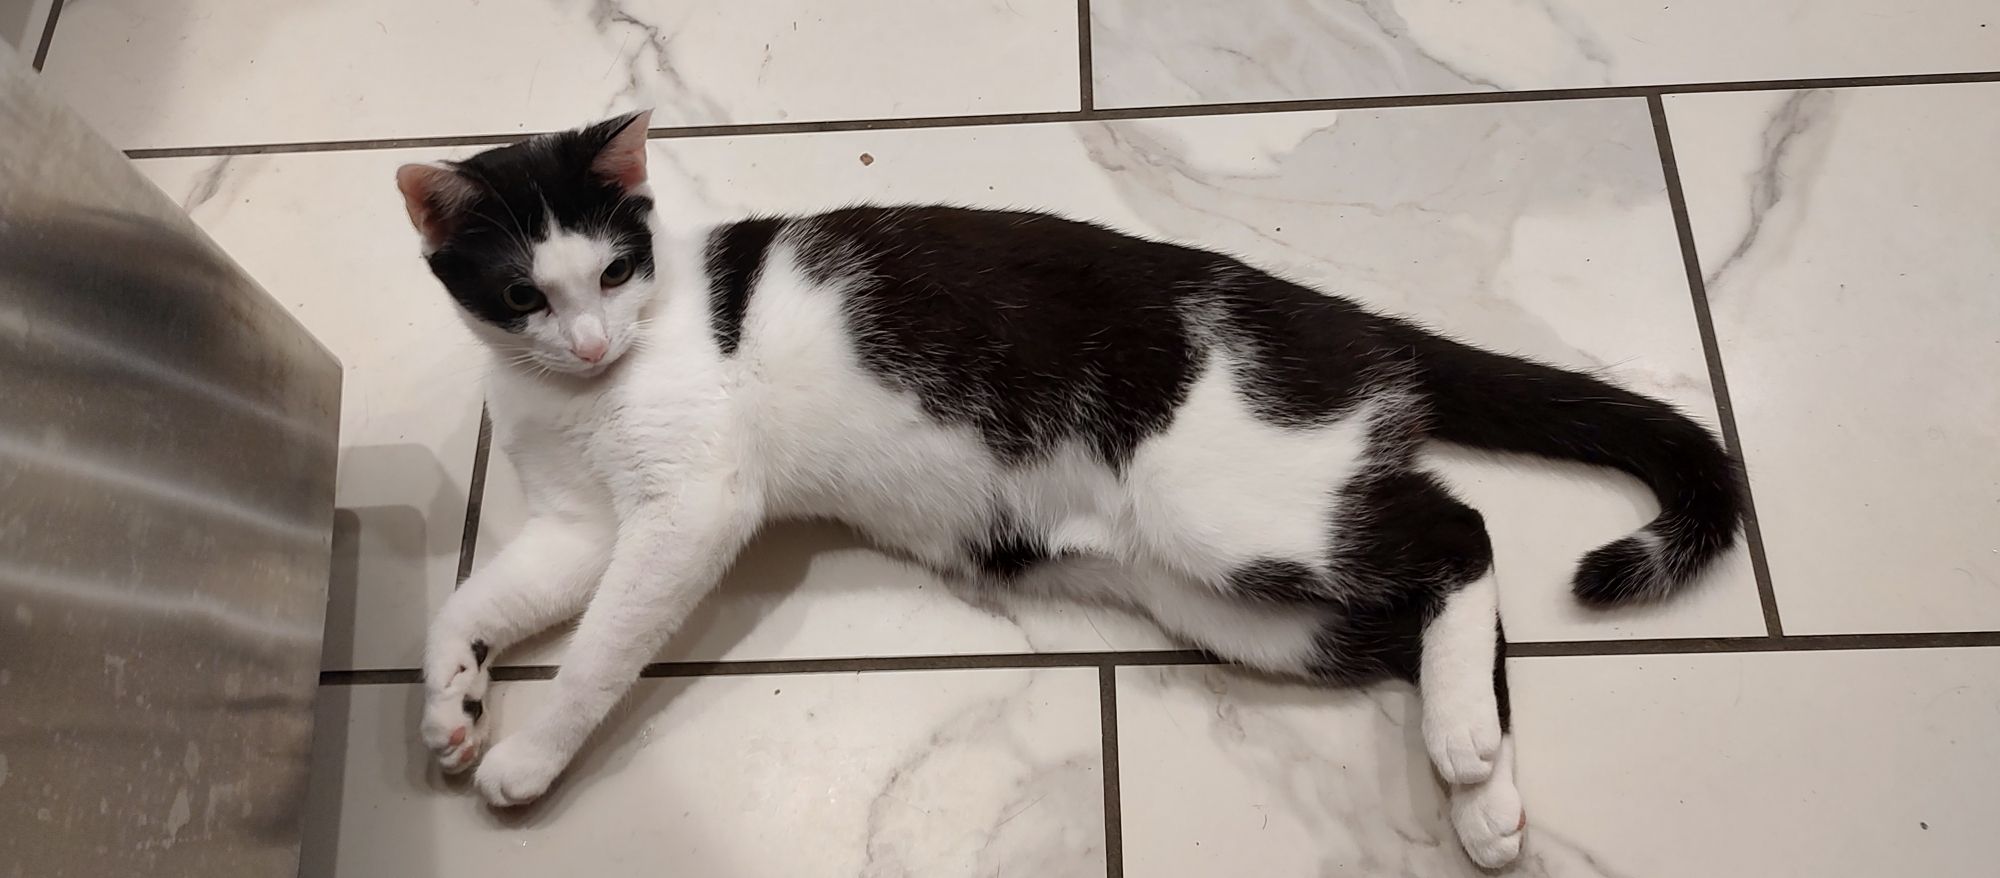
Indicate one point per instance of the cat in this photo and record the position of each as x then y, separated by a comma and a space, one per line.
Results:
1021, 402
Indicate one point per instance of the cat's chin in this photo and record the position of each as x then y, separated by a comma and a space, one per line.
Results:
578, 371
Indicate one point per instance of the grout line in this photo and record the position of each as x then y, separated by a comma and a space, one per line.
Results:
475, 495
1095, 114
1195, 657
382, 677
48, 34
1086, 76
844, 665
1704, 319
1114, 819
1786, 643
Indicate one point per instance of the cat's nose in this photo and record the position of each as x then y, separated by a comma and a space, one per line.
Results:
590, 351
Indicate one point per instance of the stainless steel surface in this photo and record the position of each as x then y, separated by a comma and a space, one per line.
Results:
167, 451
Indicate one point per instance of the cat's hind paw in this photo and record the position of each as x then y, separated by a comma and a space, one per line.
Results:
1488, 816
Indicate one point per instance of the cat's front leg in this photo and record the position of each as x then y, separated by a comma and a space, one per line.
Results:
545, 575
670, 551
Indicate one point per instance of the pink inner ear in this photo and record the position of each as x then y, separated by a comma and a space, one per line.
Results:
433, 196
623, 160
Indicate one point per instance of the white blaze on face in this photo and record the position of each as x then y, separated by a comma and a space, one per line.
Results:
567, 268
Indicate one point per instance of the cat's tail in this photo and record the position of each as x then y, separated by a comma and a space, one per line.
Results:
1485, 400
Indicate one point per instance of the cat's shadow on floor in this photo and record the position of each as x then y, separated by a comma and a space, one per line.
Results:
767, 573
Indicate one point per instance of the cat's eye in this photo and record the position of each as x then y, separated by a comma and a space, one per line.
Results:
523, 298
618, 272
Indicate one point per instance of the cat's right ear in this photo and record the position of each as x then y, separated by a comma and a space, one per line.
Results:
436, 197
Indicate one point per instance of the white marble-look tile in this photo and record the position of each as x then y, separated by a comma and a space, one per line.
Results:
1222, 772
319, 233
1155, 52
162, 73
1851, 241
1823, 764
924, 773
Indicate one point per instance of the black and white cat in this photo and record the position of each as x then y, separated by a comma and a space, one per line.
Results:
1018, 401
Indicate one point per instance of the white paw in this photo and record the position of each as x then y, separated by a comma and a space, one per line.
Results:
517, 772
454, 726
1462, 733
1490, 820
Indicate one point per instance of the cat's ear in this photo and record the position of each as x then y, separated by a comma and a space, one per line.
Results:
436, 197
622, 160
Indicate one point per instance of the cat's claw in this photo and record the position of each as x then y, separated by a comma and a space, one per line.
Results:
516, 773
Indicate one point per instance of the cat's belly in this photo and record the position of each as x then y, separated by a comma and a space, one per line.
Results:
968, 517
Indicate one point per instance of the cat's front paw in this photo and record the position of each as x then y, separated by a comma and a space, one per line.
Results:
454, 726
517, 772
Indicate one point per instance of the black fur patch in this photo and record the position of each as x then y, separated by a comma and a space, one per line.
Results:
1008, 550
1277, 581
479, 652
1311, 357
1415, 544
1035, 330
521, 188
474, 708
734, 259
1008, 557
1408, 530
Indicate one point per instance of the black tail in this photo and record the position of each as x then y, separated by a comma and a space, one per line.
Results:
1485, 400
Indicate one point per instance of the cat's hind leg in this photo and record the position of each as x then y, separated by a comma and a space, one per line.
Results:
1465, 714
544, 576
1435, 620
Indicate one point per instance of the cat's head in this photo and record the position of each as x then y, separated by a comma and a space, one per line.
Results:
546, 244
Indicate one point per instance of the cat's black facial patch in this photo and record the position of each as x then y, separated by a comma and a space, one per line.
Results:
522, 194
479, 652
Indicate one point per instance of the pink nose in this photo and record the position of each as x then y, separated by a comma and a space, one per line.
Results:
589, 351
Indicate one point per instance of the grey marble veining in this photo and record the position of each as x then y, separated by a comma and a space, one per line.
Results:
224, 72
1222, 770
884, 775
1793, 143
1154, 52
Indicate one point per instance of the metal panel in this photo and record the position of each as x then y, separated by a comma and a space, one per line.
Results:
167, 452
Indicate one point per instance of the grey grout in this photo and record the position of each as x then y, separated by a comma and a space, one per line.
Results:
48, 34
1704, 318
1114, 806
1086, 76
1097, 114
1030, 661
475, 495
1783, 643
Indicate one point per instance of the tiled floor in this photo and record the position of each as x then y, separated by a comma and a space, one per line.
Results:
1774, 193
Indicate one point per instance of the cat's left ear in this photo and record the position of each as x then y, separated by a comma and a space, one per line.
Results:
436, 197
622, 160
